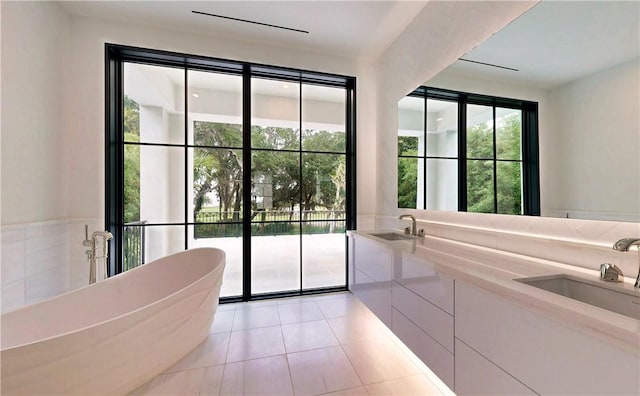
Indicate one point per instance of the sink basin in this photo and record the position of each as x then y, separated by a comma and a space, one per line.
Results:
611, 297
393, 236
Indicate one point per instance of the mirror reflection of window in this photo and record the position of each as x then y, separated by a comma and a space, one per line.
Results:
480, 167
411, 136
442, 155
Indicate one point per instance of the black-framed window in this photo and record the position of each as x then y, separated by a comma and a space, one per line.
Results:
467, 152
241, 151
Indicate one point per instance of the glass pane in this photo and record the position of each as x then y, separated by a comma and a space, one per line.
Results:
411, 126
275, 118
215, 109
323, 118
442, 128
142, 244
217, 185
442, 184
133, 244
323, 254
509, 176
275, 257
227, 237
275, 185
323, 185
154, 184
217, 134
153, 104
411, 183
508, 134
480, 196
479, 132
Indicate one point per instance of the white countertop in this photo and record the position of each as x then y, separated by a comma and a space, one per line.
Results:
495, 270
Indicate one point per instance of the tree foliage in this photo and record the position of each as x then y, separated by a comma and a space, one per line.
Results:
407, 172
308, 180
218, 170
480, 179
131, 161
480, 167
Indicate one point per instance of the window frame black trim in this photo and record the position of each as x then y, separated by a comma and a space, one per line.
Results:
529, 139
116, 55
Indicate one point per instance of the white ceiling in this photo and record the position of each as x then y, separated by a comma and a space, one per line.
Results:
355, 29
556, 42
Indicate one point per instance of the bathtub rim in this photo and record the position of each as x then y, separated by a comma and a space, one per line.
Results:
221, 263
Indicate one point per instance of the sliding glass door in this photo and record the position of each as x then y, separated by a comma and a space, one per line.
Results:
254, 160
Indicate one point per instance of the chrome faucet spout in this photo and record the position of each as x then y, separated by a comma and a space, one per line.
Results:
623, 245
413, 222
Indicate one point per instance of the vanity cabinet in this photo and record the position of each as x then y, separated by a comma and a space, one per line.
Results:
538, 352
370, 275
410, 297
422, 316
476, 375
477, 340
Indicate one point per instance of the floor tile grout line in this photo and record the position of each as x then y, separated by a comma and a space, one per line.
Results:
226, 356
293, 388
353, 367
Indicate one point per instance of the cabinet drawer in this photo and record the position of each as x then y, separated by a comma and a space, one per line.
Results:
419, 275
434, 355
475, 375
373, 260
431, 319
378, 300
544, 353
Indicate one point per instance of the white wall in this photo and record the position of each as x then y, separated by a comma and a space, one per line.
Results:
596, 173
33, 52
35, 238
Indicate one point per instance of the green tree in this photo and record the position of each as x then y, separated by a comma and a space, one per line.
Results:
480, 181
320, 170
218, 170
480, 168
407, 172
131, 127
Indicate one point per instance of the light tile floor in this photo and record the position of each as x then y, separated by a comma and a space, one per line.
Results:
316, 345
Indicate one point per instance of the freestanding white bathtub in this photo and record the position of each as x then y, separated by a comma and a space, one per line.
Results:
114, 335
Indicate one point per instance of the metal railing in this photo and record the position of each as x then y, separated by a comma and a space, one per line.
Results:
269, 216
133, 245
281, 222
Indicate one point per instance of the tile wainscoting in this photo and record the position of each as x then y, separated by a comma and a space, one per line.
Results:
42, 259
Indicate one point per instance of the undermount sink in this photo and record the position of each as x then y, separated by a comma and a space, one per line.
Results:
611, 297
393, 236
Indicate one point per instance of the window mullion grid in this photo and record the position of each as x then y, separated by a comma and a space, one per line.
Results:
495, 164
186, 159
246, 183
247, 75
462, 153
300, 175
424, 155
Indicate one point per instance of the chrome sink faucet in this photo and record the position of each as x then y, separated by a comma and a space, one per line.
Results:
413, 222
623, 245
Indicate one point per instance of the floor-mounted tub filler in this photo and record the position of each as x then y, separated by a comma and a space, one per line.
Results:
114, 335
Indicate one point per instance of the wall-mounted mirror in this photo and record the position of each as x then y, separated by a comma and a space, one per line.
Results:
579, 61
